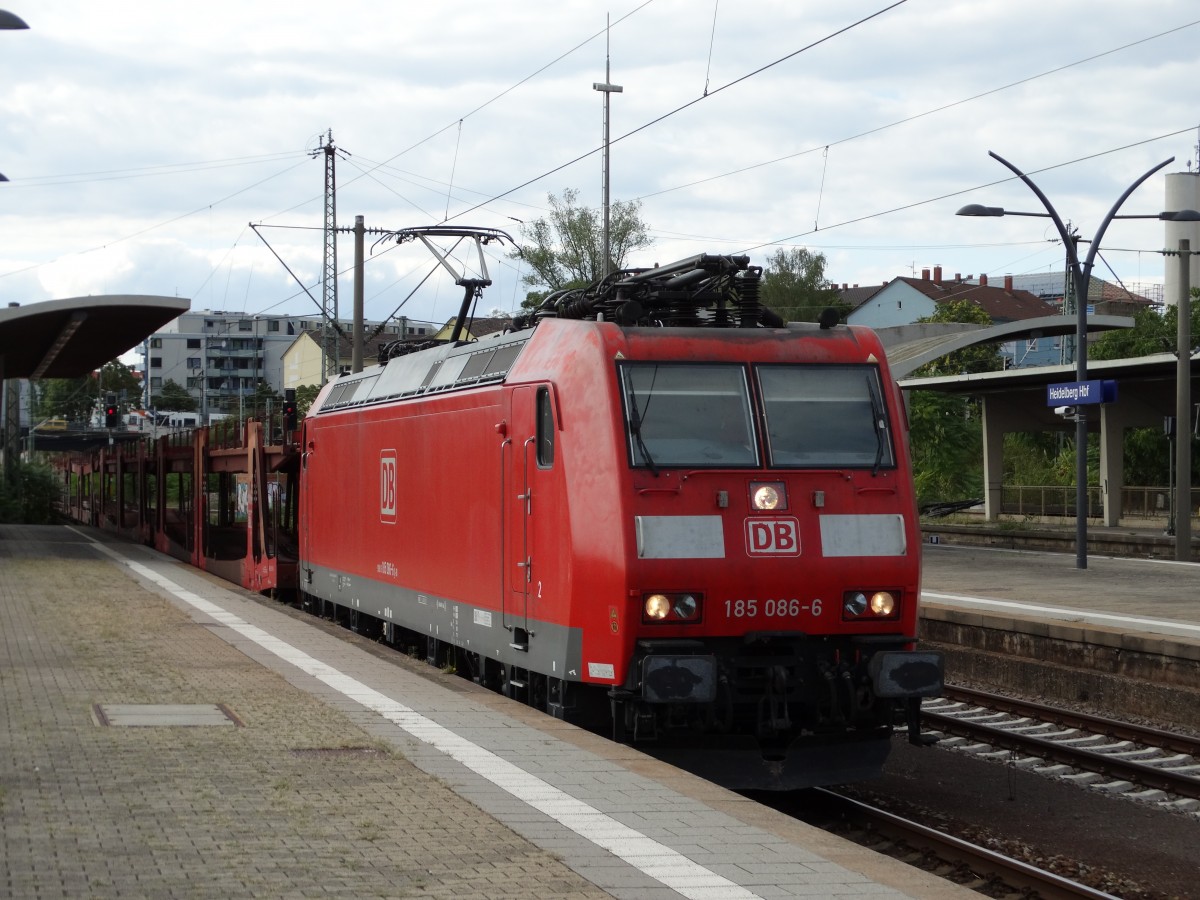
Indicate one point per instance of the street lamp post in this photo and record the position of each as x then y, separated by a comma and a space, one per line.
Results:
1082, 275
10, 424
11, 21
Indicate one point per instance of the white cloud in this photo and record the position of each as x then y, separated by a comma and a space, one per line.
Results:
113, 115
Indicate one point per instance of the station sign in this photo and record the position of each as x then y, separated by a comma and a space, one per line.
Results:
1075, 393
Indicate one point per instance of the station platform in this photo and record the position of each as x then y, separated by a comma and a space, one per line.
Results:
1122, 589
168, 735
1121, 636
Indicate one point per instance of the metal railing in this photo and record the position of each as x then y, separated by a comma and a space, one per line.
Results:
1147, 502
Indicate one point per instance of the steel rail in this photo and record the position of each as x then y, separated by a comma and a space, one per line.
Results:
1155, 737
1181, 784
982, 861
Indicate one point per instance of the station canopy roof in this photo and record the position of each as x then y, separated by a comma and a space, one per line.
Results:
72, 337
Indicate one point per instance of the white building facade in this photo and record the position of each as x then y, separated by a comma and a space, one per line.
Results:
221, 357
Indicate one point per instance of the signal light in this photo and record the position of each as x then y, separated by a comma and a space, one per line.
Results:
111, 418
289, 409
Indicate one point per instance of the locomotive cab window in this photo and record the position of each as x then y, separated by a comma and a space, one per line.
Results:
826, 416
545, 429
695, 415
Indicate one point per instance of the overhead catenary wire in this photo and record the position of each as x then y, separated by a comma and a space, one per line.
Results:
921, 115
456, 191
688, 104
959, 193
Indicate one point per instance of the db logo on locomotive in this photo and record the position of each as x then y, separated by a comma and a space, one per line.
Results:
773, 537
387, 486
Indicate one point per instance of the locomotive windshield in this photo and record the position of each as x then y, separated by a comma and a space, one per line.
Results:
700, 415
825, 416
688, 415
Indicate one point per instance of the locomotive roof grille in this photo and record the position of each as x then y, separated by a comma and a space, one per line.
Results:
408, 376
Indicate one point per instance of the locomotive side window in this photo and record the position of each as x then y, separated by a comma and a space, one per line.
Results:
545, 429
825, 416
688, 415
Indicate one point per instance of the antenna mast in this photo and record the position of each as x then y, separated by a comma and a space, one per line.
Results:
608, 89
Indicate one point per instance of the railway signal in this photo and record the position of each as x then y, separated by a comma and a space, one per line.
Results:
112, 417
289, 409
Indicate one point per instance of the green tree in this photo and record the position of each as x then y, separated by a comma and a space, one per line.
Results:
31, 496
69, 398
174, 397
1152, 332
945, 430
946, 438
265, 397
75, 399
976, 358
305, 395
566, 248
1148, 450
119, 379
794, 285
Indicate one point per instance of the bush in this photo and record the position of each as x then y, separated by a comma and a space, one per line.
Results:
31, 497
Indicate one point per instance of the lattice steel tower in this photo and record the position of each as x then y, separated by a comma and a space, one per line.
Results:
329, 295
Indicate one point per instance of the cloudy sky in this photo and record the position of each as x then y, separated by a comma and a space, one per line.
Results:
142, 139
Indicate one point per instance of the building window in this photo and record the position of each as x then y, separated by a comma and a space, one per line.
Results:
156, 343
193, 362
245, 325
209, 323
195, 382
156, 362
193, 343
272, 325
156, 382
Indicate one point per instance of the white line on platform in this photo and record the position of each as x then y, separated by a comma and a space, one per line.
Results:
643, 853
1163, 626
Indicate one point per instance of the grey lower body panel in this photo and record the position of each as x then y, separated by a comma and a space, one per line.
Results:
552, 649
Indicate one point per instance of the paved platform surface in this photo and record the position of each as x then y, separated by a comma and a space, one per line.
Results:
322, 765
1155, 600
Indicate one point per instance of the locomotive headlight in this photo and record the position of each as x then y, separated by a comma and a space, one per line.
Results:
685, 607
768, 495
672, 608
882, 603
873, 605
657, 606
855, 603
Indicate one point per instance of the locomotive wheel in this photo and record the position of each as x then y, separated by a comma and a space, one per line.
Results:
472, 664
517, 683
538, 694
493, 675
620, 733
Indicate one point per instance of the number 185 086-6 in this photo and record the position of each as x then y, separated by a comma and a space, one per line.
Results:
771, 608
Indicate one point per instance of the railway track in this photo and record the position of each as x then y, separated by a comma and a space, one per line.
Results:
965, 863
1118, 757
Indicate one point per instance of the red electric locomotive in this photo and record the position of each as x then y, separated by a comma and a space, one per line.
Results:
651, 504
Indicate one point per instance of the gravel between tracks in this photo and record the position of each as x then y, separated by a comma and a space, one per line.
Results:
1129, 849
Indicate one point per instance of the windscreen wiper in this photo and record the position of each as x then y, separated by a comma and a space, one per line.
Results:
635, 425
879, 421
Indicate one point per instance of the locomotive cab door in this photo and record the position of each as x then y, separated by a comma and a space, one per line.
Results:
307, 518
528, 509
